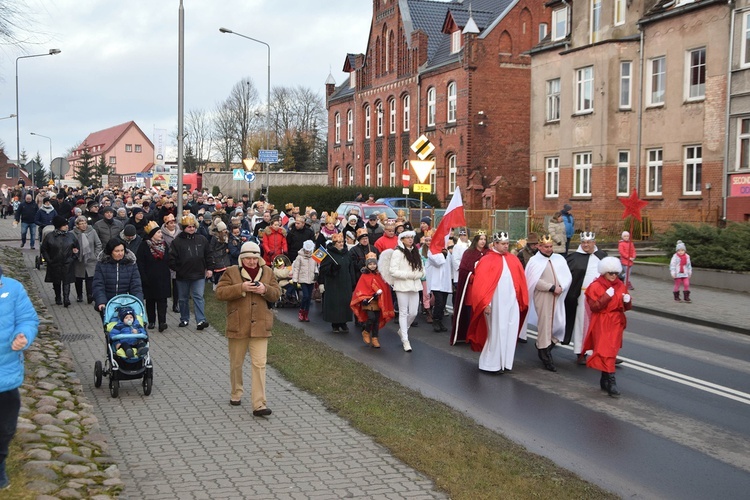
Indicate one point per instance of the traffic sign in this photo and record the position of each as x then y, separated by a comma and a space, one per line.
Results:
423, 147
405, 191
268, 156
422, 188
422, 168
250, 176
238, 174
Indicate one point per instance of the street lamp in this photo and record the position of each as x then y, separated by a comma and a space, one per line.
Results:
50, 153
8, 117
51, 52
268, 100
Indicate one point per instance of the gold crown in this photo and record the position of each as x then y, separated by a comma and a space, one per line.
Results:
332, 219
288, 206
371, 255
546, 239
481, 232
337, 237
362, 232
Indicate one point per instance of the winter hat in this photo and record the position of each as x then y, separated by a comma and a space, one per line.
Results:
59, 222
136, 210
680, 246
624, 234
426, 220
91, 204
45, 199
567, 208
124, 312
129, 230
151, 229
308, 246
371, 257
406, 234
352, 217
609, 265
373, 216
108, 209
220, 226
532, 238
249, 249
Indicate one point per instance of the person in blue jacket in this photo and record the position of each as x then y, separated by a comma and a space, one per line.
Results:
19, 324
570, 225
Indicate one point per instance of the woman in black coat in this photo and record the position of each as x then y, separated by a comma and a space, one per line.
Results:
153, 264
336, 279
116, 273
60, 249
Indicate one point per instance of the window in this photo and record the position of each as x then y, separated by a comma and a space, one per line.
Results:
657, 81
626, 84
338, 177
349, 126
623, 173
367, 122
619, 12
692, 170
585, 90
138, 148
392, 174
745, 48
112, 160
379, 174
12, 172
653, 172
559, 24
433, 179
407, 112
452, 173
392, 116
337, 128
455, 41
431, 107
582, 173
553, 100
128, 148
379, 118
350, 171
552, 177
452, 102
743, 144
542, 31
596, 19
367, 174
696, 74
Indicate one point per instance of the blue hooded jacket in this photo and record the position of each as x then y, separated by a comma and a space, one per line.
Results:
17, 315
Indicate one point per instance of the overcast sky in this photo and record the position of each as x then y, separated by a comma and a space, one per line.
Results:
119, 60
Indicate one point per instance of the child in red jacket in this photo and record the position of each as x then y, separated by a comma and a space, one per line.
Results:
371, 301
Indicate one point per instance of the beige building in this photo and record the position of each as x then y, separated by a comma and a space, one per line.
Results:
626, 95
738, 116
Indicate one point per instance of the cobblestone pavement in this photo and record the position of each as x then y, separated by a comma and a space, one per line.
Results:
185, 440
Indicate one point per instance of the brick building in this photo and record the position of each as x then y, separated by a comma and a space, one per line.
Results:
10, 173
457, 72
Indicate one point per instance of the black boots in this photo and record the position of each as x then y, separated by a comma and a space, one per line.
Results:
686, 294
677, 297
437, 325
546, 356
609, 384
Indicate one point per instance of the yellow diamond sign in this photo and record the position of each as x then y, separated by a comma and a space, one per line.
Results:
423, 147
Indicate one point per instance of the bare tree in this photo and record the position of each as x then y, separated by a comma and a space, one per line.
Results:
199, 139
297, 114
245, 105
225, 133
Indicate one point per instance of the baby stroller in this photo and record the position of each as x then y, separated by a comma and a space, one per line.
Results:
118, 367
39, 259
282, 271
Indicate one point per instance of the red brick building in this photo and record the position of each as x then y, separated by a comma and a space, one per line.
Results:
455, 71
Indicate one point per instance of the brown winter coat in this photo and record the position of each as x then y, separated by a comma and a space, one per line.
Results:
248, 314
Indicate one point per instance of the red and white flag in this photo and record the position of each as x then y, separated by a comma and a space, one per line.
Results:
454, 217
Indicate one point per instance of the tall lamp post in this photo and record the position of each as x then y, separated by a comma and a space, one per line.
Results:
50, 151
8, 117
51, 52
268, 100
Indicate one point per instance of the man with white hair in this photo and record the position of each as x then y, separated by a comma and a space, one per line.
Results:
583, 268
500, 300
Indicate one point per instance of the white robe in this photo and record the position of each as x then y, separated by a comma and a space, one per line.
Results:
583, 314
502, 326
534, 269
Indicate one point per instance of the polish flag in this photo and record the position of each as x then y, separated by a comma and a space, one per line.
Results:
454, 217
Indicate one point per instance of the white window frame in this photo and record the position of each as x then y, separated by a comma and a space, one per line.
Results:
620, 6
431, 106
559, 23
392, 174
112, 160
692, 173
379, 119
349, 125
128, 148
368, 123
433, 180
657, 76
138, 148
452, 98
553, 100
339, 180
542, 31
585, 90
379, 174
694, 72
455, 41
743, 145
350, 175
623, 165
552, 177
337, 128
582, 173
406, 112
452, 174
596, 21
392, 116
626, 84
367, 175
745, 41
654, 171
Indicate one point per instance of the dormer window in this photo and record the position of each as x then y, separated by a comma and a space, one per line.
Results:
560, 23
455, 41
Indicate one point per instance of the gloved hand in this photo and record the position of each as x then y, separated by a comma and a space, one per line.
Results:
322, 288
299, 286
367, 301
445, 252
626, 298
379, 292
611, 292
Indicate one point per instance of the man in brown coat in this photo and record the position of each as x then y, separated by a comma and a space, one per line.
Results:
249, 289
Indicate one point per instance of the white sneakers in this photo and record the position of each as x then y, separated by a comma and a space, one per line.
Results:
407, 346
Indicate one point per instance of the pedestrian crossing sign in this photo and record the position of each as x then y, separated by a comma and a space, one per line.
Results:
238, 174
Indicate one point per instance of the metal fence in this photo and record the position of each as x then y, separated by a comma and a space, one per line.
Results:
514, 222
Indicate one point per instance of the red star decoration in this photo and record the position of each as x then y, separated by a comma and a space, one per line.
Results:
633, 205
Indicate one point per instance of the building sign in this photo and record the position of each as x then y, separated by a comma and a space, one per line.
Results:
160, 145
739, 185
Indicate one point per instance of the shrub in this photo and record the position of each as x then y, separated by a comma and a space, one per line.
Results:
711, 247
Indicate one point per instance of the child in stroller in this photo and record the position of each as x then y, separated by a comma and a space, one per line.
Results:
282, 271
128, 337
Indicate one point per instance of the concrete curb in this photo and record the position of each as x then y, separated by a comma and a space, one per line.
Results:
696, 321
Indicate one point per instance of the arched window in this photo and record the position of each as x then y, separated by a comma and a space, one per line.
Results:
350, 172
367, 174
392, 174
337, 173
379, 119
452, 173
452, 102
406, 112
392, 116
337, 128
367, 122
431, 100
379, 174
350, 125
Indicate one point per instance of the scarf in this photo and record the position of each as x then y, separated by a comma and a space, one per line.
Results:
157, 249
47, 209
86, 253
250, 274
683, 261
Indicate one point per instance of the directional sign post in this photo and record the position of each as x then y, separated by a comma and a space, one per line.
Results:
268, 156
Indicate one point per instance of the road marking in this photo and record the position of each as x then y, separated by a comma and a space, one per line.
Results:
703, 385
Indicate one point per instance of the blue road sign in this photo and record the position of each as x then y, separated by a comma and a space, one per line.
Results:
250, 176
238, 174
268, 156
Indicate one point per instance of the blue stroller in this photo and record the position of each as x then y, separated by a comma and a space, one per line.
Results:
116, 366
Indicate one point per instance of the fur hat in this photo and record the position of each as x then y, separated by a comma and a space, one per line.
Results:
220, 226
406, 234
59, 221
308, 246
150, 229
248, 249
680, 246
609, 265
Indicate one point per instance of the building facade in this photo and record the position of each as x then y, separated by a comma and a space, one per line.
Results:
738, 117
631, 95
457, 72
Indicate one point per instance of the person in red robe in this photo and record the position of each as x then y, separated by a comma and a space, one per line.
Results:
371, 301
500, 298
461, 304
608, 299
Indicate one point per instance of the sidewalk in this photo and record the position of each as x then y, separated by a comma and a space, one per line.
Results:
185, 440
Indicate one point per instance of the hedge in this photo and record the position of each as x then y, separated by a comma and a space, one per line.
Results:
711, 247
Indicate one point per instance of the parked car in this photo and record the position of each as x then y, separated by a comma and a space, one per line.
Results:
401, 203
364, 210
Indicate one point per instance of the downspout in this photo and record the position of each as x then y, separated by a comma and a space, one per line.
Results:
725, 183
639, 140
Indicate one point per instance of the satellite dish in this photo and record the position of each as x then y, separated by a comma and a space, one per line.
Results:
60, 166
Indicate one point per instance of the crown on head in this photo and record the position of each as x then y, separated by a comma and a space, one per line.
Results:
337, 237
546, 239
588, 236
481, 232
371, 255
500, 236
